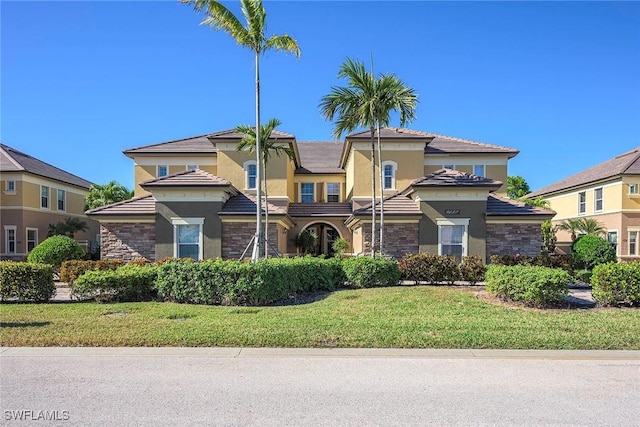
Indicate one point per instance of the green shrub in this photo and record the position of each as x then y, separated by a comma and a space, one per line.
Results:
583, 276
71, 270
127, 283
55, 250
590, 251
366, 272
26, 281
616, 284
472, 269
531, 285
430, 268
563, 261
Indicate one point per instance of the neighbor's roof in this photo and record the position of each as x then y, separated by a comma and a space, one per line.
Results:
503, 206
624, 164
144, 205
454, 178
188, 178
320, 157
12, 160
245, 204
319, 209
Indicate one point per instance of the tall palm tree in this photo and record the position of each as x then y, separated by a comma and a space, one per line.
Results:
592, 226
102, 195
367, 102
572, 226
251, 35
269, 146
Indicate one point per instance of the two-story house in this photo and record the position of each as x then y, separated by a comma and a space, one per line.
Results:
196, 197
34, 194
608, 192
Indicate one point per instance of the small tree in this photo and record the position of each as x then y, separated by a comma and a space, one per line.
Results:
517, 187
69, 227
572, 226
339, 246
102, 195
306, 242
549, 239
55, 250
592, 250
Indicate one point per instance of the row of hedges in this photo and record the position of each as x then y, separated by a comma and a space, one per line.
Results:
71, 270
616, 284
565, 262
430, 268
26, 281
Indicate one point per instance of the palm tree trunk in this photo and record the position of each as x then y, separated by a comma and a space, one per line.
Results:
381, 191
373, 194
266, 213
255, 255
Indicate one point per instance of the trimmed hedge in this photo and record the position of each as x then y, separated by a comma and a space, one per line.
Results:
531, 285
55, 250
616, 284
127, 283
367, 272
71, 270
563, 261
590, 251
26, 281
430, 268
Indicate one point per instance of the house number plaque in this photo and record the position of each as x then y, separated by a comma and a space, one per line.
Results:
452, 212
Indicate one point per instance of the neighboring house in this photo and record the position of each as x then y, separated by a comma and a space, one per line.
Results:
608, 192
196, 197
34, 194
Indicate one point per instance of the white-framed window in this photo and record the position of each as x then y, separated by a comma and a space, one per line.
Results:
44, 197
250, 174
306, 192
453, 236
389, 173
62, 198
597, 203
450, 166
612, 238
10, 239
582, 202
162, 170
633, 242
333, 192
32, 238
192, 167
479, 170
10, 186
633, 188
187, 237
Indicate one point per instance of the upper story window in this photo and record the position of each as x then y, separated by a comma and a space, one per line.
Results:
62, 196
192, 167
10, 186
597, 199
306, 192
163, 170
333, 192
44, 197
389, 171
479, 170
633, 188
250, 174
582, 202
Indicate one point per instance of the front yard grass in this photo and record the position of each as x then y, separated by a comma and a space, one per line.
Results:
418, 317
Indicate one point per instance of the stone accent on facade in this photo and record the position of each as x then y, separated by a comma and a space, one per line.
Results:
237, 235
511, 239
400, 239
127, 241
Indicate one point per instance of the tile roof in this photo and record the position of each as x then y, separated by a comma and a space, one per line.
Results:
627, 163
188, 178
320, 157
245, 204
396, 204
454, 178
442, 144
503, 206
319, 209
12, 160
233, 134
144, 205
194, 145
392, 132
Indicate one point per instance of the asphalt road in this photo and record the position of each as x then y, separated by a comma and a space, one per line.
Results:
270, 387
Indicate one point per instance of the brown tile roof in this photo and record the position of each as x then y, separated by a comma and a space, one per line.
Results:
503, 206
245, 204
194, 145
320, 157
624, 164
442, 144
396, 204
319, 209
454, 178
392, 132
12, 160
233, 134
188, 178
144, 205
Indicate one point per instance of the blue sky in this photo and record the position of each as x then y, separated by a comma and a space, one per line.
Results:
82, 81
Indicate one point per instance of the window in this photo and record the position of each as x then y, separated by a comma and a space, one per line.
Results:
250, 172
10, 239
32, 238
306, 192
333, 192
452, 167
452, 237
612, 238
187, 237
192, 167
163, 170
478, 170
44, 197
389, 169
582, 202
61, 199
598, 199
633, 189
10, 186
633, 242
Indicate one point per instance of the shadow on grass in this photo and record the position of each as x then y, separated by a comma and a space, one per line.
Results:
23, 324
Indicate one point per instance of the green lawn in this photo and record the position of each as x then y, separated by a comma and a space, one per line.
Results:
420, 317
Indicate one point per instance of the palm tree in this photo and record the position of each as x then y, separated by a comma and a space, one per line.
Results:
269, 146
102, 195
592, 226
69, 227
367, 102
251, 35
571, 225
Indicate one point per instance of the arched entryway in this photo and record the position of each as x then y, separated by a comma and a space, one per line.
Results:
327, 234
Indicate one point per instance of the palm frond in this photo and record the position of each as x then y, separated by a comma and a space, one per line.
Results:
284, 43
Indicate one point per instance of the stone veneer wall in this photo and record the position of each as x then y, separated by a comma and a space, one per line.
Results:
237, 235
511, 239
128, 241
399, 239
